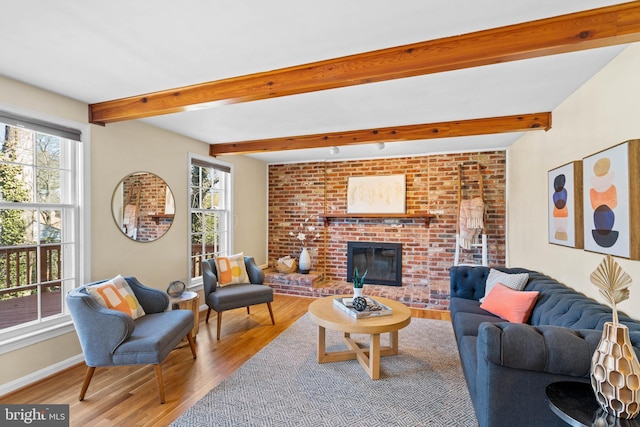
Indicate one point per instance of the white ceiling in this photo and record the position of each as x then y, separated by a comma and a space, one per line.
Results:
97, 51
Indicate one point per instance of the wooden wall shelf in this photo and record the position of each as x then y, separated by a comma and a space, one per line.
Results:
158, 217
418, 216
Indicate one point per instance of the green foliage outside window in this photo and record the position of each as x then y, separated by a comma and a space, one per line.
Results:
29, 172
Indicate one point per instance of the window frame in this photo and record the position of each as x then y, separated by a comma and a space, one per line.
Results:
22, 336
196, 282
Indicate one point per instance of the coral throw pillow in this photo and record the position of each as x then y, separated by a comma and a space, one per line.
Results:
514, 306
117, 295
231, 269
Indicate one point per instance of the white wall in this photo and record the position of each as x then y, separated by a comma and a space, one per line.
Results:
602, 113
116, 151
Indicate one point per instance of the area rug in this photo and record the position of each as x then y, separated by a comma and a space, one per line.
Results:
283, 384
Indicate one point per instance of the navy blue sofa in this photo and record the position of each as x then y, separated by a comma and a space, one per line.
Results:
507, 366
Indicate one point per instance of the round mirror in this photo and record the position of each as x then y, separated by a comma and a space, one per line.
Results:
143, 206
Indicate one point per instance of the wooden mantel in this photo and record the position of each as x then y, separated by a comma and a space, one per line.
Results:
417, 216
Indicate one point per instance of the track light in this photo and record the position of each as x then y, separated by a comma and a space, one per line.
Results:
334, 150
380, 145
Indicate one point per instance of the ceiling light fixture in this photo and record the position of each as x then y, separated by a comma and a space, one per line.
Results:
334, 150
380, 145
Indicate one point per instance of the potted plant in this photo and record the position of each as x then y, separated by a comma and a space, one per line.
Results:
358, 282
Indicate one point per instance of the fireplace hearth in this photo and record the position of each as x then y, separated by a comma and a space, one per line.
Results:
381, 260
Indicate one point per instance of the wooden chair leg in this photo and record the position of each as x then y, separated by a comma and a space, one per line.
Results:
248, 310
208, 313
219, 324
87, 380
192, 344
273, 322
158, 369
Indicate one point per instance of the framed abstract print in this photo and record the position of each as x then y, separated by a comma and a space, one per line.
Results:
565, 205
611, 200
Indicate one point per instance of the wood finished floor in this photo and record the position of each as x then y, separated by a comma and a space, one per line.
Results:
128, 396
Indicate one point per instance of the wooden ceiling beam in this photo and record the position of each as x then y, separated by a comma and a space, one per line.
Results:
605, 26
491, 125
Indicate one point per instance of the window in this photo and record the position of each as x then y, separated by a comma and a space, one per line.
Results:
210, 212
39, 223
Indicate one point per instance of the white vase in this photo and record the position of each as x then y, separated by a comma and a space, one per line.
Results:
305, 261
357, 292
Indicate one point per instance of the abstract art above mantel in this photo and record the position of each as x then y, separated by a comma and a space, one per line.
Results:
376, 194
611, 200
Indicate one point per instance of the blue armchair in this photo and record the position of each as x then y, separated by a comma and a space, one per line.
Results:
222, 298
112, 338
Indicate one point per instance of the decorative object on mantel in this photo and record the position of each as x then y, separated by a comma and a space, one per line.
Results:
286, 265
176, 288
615, 371
306, 230
358, 282
305, 261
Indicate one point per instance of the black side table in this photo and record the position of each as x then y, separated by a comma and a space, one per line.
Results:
576, 405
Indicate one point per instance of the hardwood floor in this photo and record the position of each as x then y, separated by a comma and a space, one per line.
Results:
128, 396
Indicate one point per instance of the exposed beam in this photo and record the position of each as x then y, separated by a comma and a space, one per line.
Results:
606, 26
491, 125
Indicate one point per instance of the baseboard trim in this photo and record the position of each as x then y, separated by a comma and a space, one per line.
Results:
428, 313
40, 375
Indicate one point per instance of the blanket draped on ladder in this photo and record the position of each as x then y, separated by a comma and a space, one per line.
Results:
471, 221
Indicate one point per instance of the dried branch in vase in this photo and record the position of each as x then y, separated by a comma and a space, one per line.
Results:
613, 283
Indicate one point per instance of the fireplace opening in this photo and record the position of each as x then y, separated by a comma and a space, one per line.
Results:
381, 261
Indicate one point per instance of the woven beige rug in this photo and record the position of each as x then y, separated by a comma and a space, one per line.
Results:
283, 385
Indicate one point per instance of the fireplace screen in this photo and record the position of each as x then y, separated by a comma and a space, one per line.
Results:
381, 261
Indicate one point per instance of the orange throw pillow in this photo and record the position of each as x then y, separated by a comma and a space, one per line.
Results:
116, 294
514, 306
231, 269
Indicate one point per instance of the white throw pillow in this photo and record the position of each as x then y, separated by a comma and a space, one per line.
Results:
517, 282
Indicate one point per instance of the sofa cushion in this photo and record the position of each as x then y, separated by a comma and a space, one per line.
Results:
465, 306
551, 349
239, 295
466, 324
514, 306
515, 281
154, 337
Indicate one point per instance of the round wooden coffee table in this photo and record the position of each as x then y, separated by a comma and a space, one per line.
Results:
327, 316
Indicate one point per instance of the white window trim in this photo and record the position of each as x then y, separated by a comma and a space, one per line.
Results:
59, 325
196, 283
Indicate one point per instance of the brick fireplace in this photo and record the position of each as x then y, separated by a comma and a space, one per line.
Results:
301, 194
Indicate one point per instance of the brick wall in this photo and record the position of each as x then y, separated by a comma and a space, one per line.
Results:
300, 193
